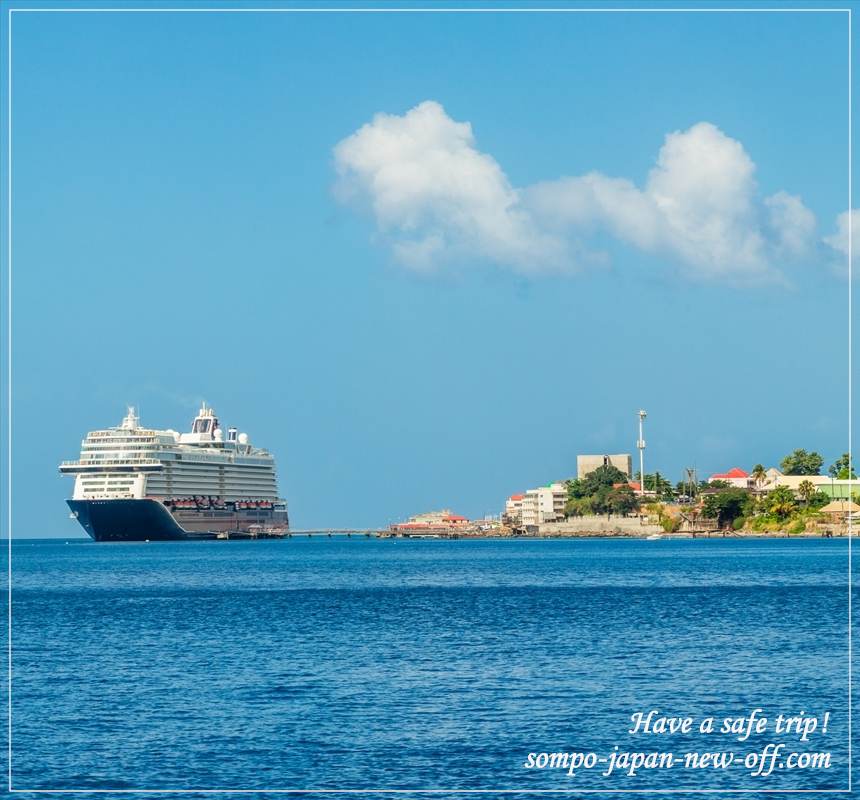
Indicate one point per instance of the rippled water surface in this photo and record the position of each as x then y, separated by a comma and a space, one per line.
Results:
361, 663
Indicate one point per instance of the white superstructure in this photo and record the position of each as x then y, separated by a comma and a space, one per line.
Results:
133, 462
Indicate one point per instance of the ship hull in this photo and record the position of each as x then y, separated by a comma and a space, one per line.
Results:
147, 519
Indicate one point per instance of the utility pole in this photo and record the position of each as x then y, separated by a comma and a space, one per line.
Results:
640, 443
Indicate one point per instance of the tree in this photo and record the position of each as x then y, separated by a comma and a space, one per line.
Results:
727, 504
578, 507
658, 484
605, 476
819, 499
842, 469
594, 494
806, 489
758, 474
802, 463
622, 500
574, 489
600, 500
780, 503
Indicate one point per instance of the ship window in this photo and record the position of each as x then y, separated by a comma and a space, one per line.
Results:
201, 425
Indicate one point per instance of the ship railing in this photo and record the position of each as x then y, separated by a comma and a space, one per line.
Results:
111, 462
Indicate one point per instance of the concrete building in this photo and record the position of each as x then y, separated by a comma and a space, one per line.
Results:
513, 513
586, 464
544, 504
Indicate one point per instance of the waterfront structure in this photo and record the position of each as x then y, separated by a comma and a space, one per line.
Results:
137, 484
544, 504
587, 464
840, 510
640, 445
443, 520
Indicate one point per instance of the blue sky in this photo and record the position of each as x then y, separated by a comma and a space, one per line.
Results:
181, 233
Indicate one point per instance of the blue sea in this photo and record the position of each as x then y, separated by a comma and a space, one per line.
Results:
350, 663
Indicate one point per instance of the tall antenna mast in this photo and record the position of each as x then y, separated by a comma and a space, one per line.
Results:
640, 443
691, 481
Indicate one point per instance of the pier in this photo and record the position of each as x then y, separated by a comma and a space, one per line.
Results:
333, 531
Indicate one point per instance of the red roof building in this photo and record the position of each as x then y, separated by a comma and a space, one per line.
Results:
735, 476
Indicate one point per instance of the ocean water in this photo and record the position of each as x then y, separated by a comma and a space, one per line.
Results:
356, 663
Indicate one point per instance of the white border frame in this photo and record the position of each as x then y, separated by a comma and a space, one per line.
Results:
424, 10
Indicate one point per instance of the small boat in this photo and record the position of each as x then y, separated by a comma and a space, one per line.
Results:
653, 537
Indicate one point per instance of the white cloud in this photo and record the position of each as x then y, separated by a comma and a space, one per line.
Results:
791, 223
435, 196
839, 240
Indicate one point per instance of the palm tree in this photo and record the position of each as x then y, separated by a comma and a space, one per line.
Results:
806, 489
758, 474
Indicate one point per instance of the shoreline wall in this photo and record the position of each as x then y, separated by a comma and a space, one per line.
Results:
624, 526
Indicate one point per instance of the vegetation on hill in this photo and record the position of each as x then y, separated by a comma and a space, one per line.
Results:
606, 491
778, 510
603, 491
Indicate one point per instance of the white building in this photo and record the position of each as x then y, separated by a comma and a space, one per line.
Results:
544, 504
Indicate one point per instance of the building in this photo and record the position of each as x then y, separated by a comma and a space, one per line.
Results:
840, 510
776, 478
433, 521
544, 504
837, 489
734, 477
513, 513
586, 464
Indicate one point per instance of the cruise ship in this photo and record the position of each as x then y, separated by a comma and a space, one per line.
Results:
139, 484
